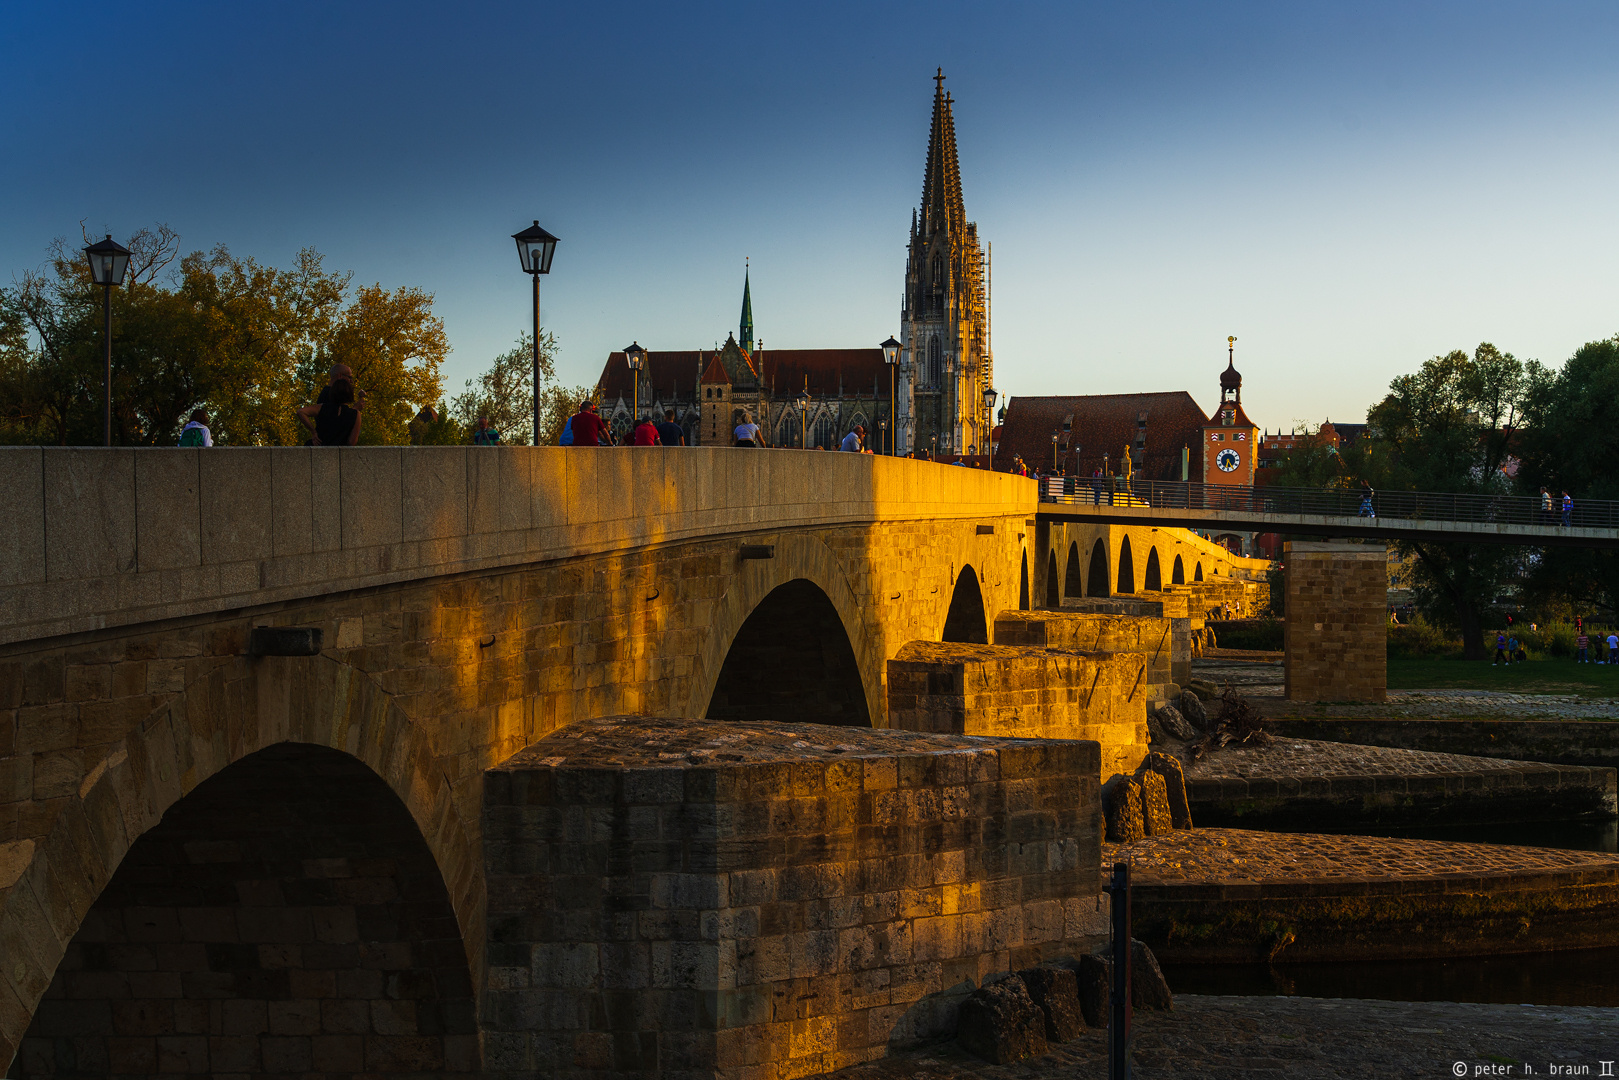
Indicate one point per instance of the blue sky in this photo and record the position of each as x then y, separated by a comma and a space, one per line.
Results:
1349, 188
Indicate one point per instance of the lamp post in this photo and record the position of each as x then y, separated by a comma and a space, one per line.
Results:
803, 413
635, 356
535, 247
882, 433
989, 410
108, 261
891, 360
1053, 450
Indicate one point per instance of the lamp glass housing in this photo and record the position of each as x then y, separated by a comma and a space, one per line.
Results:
535, 248
109, 261
636, 356
891, 350
990, 395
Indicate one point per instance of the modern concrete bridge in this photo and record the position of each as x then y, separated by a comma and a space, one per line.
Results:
470, 601
1423, 516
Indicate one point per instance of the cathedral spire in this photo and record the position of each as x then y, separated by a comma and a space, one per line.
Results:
941, 186
745, 334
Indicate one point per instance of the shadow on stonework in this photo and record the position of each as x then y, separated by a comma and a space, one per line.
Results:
792, 662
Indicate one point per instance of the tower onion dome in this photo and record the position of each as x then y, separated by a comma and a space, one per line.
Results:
1230, 378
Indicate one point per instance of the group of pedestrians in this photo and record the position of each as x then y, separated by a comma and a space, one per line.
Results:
1583, 648
1548, 511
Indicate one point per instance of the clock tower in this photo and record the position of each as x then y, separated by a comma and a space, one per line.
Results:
1230, 440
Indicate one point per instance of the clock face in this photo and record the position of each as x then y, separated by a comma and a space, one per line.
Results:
1227, 460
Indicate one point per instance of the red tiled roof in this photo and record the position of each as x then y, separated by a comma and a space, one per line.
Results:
857, 371
1241, 420
715, 372
667, 375
1103, 424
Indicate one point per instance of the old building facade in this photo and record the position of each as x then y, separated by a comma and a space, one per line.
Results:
947, 359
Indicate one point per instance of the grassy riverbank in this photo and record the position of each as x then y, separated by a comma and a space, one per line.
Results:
1530, 677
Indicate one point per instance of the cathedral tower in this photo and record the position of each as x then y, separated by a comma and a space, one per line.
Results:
945, 318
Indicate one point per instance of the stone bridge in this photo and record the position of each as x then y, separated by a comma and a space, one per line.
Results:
471, 601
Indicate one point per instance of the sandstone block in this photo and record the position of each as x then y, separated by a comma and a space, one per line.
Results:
1154, 804
1056, 991
1001, 1023
1121, 806
1169, 767
1094, 984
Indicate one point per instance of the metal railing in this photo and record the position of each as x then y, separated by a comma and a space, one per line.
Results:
1435, 506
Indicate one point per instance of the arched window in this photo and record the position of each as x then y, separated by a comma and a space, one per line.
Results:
938, 272
935, 361
1197, 575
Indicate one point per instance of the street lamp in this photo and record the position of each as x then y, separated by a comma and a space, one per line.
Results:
803, 411
882, 432
891, 360
989, 409
535, 247
635, 356
1054, 450
108, 262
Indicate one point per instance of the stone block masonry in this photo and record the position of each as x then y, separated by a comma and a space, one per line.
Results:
1024, 692
692, 898
1336, 634
1165, 642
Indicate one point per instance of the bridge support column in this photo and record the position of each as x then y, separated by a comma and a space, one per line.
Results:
1336, 636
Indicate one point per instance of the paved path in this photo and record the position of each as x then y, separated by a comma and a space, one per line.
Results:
1261, 681
1313, 757
1237, 1038
1219, 856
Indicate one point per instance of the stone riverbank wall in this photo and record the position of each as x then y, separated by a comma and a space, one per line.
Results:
1559, 742
690, 899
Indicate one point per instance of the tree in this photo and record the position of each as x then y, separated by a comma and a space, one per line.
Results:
1311, 462
1570, 443
505, 394
1449, 427
395, 346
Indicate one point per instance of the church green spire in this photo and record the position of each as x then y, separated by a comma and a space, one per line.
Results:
745, 332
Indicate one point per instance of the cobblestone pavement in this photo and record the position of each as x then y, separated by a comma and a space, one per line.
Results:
1230, 855
1261, 680
1227, 1038
1312, 757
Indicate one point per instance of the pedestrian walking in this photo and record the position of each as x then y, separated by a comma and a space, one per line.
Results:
646, 433
1096, 486
1500, 651
855, 441
669, 432
1545, 506
1366, 493
1581, 645
484, 435
1568, 509
587, 426
747, 432
196, 432
1613, 648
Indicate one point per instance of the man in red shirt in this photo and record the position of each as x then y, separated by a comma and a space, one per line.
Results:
588, 428
646, 433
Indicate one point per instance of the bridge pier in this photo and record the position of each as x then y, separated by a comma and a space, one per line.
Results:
1336, 635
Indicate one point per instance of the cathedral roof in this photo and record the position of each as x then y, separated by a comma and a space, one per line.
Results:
1102, 424
942, 205
831, 372
669, 375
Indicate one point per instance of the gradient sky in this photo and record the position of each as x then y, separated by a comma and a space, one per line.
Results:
1349, 189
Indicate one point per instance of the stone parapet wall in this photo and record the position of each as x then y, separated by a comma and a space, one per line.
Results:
105, 537
1336, 633
1166, 643
769, 900
1024, 692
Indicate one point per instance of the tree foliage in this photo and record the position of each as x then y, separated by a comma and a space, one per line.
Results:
1450, 427
505, 394
249, 343
1571, 443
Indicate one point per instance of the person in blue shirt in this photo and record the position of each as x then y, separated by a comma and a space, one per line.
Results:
669, 432
854, 442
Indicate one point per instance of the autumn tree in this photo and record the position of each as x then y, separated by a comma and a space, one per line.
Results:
505, 394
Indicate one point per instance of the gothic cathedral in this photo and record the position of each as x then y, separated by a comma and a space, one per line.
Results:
945, 321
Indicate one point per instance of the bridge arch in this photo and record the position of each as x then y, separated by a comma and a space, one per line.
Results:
1072, 583
1023, 584
239, 708
1177, 573
289, 894
1152, 578
966, 621
1198, 574
809, 561
1053, 583
1097, 576
1127, 568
